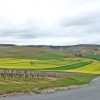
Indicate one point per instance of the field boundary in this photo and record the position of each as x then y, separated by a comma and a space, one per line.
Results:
31, 73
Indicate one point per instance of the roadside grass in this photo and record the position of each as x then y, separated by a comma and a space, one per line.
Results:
35, 85
67, 82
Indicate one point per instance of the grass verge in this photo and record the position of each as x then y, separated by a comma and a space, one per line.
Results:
35, 85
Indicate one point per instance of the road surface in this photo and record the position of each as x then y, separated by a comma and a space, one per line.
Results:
91, 92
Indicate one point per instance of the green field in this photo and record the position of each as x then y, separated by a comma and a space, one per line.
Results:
93, 56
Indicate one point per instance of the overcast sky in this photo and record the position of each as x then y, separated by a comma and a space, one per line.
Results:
50, 22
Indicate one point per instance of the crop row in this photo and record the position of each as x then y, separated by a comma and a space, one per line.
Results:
71, 66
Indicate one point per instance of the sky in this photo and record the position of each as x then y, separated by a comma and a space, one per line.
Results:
49, 22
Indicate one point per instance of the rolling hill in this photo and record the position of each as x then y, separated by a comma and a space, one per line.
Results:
77, 58
47, 52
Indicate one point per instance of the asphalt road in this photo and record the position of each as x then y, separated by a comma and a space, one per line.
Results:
91, 92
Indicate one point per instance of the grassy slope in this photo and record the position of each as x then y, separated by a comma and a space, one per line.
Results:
30, 53
35, 85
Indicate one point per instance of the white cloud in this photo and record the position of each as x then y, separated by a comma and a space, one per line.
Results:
52, 22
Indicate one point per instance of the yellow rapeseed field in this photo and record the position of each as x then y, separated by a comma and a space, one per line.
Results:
93, 68
15, 63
